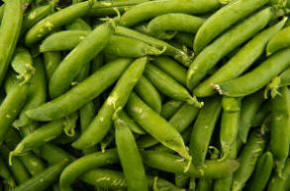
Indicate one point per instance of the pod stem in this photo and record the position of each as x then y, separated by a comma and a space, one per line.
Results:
194, 101
273, 88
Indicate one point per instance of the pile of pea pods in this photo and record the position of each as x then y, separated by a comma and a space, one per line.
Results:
139, 95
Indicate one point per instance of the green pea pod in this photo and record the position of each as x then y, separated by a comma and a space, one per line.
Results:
102, 123
80, 55
148, 119
229, 126
53, 154
223, 19
240, 62
170, 50
279, 140
280, 41
85, 163
39, 137
129, 155
110, 179
119, 46
279, 183
168, 86
9, 33
175, 164
36, 93
169, 108
51, 62
203, 129
248, 159
87, 114
145, 89
172, 68
226, 43
63, 40
43, 180
86, 91
78, 24
165, 26
152, 9
32, 163
259, 179
55, 20
266, 71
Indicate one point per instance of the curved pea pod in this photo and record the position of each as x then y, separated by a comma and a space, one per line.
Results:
53, 21
226, 43
78, 57
249, 109
118, 97
84, 164
36, 94
262, 173
265, 72
280, 41
165, 26
172, 68
174, 164
170, 50
223, 19
203, 129
39, 137
9, 33
279, 138
240, 62
168, 86
279, 183
169, 108
229, 125
64, 40
51, 62
145, 89
248, 159
110, 179
86, 91
44, 179
53, 154
148, 119
146, 11
129, 155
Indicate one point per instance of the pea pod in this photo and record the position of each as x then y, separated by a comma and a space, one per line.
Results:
73, 62
279, 140
149, 10
241, 61
279, 183
175, 164
216, 23
44, 179
259, 179
101, 124
148, 119
169, 86
203, 130
53, 154
145, 89
280, 41
230, 40
129, 155
86, 91
248, 158
83, 164
9, 33
32, 163
266, 72
165, 26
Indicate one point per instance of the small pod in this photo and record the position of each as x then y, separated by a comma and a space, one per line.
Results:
280, 41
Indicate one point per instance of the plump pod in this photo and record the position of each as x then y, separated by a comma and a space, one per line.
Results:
102, 123
149, 10
9, 33
80, 55
230, 40
280, 41
223, 19
130, 157
261, 75
86, 91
